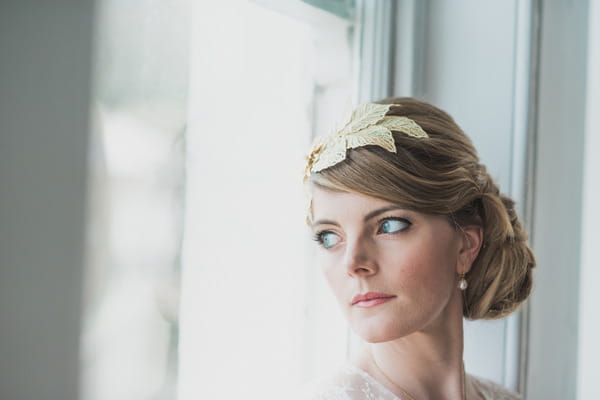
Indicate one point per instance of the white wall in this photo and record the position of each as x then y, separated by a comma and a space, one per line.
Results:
589, 317
45, 50
552, 364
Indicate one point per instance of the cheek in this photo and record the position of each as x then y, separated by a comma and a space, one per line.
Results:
425, 266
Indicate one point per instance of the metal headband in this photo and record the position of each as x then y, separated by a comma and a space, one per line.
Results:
368, 125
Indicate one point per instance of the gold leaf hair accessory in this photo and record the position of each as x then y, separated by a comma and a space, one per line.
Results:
368, 125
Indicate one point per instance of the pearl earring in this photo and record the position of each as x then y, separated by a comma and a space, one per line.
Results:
462, 283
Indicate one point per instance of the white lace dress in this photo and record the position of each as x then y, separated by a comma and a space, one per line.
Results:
352, 383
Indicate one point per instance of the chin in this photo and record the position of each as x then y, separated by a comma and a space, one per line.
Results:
376, 339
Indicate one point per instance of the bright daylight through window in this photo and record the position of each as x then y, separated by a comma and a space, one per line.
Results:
191, 207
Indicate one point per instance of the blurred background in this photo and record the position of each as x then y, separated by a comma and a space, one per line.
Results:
152, 237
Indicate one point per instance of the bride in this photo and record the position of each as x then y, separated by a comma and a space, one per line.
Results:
413, 235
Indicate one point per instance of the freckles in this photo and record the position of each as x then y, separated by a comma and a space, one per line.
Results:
415, 265
424, 268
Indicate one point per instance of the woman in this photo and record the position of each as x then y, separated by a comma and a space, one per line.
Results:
413, 235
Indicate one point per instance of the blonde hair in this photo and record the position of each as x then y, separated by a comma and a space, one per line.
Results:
442, 175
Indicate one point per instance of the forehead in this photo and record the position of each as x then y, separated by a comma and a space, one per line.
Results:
346, 207
329, 203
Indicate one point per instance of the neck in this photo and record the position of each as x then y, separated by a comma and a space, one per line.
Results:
426, 364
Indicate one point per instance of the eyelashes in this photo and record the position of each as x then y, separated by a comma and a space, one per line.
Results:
393, 225
386, 226
327, 239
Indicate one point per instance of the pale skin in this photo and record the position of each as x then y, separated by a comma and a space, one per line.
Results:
371, 245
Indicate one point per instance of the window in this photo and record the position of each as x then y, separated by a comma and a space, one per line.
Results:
130, 319
203, 114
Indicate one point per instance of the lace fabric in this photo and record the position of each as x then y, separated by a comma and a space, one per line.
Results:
352, 383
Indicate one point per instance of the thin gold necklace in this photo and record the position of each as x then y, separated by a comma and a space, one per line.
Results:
404, 392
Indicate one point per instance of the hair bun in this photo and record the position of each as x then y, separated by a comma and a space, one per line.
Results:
501, 276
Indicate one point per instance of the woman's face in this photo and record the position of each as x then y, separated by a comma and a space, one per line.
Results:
371, 245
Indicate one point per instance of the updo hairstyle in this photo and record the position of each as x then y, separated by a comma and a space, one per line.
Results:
442, 175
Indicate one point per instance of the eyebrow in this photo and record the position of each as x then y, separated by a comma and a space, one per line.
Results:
367, 217
380, 211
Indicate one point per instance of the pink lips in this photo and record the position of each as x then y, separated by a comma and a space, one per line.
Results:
371, 299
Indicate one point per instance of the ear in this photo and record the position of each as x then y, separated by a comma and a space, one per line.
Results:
472, 240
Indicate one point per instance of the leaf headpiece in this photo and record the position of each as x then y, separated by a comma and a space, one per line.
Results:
368, 125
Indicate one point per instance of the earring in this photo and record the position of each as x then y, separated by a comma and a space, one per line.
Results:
462, 283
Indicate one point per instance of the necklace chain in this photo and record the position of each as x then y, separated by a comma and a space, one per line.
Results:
404, 392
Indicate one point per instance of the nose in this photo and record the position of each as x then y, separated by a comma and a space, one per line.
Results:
359, 258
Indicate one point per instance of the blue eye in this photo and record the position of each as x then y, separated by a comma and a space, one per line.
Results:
393, 225
327, 239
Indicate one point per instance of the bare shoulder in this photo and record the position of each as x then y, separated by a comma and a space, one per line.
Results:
489, 390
